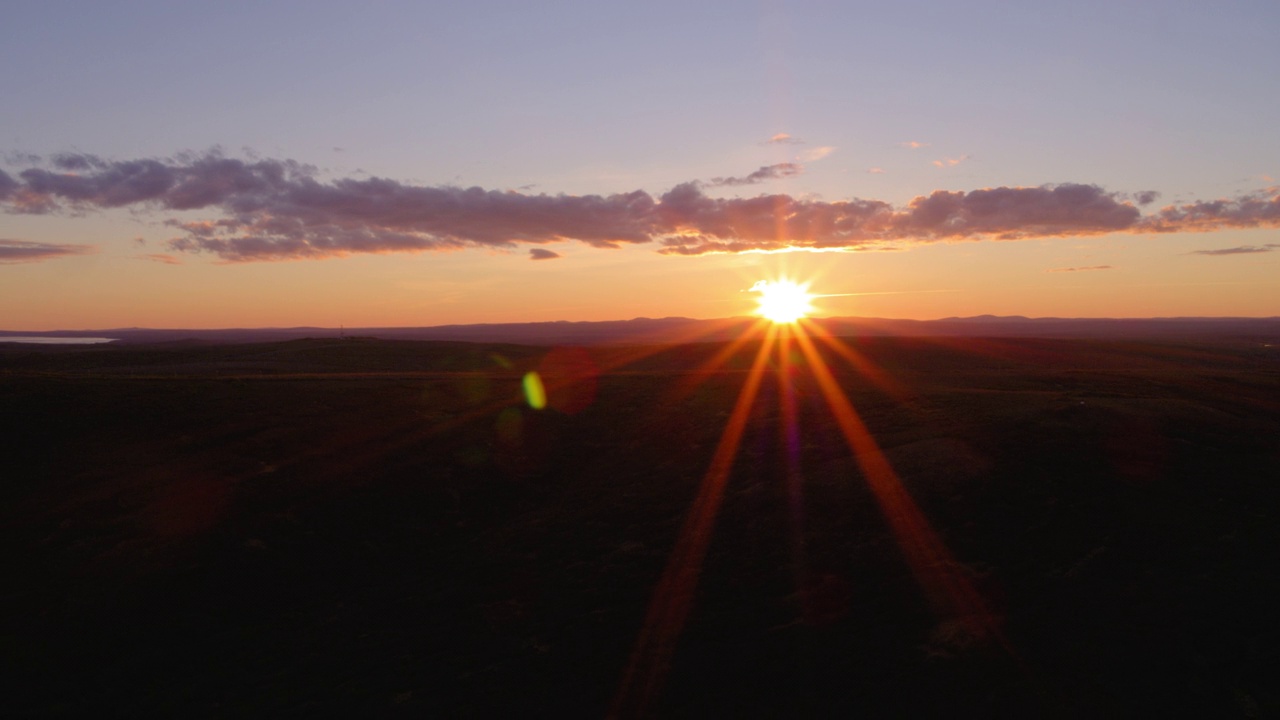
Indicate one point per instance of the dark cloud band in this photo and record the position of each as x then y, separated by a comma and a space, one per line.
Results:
20, 251
281, 209
1240, 250
764, 174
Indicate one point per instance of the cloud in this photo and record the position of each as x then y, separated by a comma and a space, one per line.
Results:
783, 139
1241, 250
542, 254
950, 162
1260, 209
875, 171
815, 154
694, 223
263, 209
764, 174
1146, 197
1080, 269
198, 183
8, 186
20, 251
913, 144
274, 210
1013, 213
164, 258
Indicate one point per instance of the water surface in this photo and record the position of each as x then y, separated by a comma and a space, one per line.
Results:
38, 340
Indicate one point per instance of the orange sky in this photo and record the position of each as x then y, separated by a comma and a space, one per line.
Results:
120, 289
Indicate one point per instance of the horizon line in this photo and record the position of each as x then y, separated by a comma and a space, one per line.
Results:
737, 318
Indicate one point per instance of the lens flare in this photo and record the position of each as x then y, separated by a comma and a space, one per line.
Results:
534, 392
783, 301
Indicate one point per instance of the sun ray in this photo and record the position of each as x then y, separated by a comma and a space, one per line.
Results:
790, 439
951, 594
860, 362
619, 357
673, 596
948, 590
703, 371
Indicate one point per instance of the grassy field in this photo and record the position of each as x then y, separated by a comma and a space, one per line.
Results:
388, 528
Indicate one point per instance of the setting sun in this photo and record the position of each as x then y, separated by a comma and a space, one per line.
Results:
783, 301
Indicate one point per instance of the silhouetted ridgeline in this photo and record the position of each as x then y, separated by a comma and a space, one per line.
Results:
676, 329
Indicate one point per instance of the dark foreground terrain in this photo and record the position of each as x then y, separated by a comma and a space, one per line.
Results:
386, 527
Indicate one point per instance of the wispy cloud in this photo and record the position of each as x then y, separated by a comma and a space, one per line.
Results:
764, 174
1089, 268
163, 258
875, 171
17, 157
783, 139
542, 254
263, 209
816, 154
950, 162
913, 144
1240, 250
8, 186
21, 251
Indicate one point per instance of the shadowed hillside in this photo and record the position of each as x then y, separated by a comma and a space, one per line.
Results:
650, 331
385, 527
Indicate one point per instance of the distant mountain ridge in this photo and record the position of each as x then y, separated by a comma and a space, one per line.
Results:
682, 330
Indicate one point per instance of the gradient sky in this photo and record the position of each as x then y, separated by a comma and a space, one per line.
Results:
205, 165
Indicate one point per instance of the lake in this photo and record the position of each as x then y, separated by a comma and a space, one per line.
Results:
37, 340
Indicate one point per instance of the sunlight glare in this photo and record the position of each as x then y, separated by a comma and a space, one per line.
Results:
783, 301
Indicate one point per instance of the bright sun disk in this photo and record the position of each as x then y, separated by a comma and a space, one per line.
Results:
783, 301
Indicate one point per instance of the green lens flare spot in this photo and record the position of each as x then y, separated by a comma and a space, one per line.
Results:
534, 393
